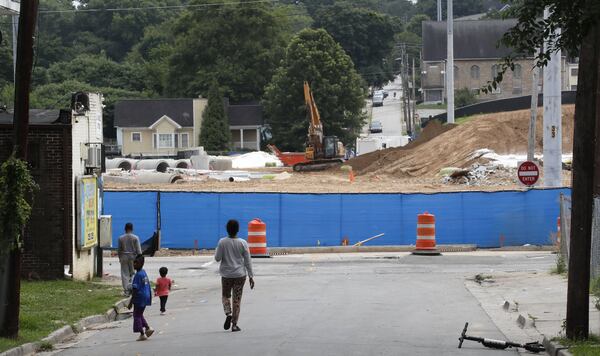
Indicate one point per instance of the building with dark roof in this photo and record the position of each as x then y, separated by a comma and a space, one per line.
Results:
477, 56
164, 127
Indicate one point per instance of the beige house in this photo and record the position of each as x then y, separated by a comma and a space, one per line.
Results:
477, 56
164, 127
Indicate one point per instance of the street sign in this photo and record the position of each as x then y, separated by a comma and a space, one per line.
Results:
528, 173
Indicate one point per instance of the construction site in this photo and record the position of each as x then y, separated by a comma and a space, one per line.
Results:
480, 153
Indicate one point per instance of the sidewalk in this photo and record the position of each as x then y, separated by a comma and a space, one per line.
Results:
526, 306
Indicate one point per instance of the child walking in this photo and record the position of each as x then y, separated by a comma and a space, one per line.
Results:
141, 297
163, 286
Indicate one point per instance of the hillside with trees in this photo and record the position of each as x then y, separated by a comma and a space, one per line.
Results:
177, 48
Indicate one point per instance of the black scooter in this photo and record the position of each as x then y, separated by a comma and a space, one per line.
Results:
499, 344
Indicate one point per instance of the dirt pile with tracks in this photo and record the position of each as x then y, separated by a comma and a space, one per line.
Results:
453, 145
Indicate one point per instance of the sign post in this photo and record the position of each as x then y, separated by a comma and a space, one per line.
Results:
528, 173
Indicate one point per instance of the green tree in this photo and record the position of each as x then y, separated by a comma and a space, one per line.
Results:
314, 56
367, 37
414, 25
214, 132
580, 24
459, 8
237, 45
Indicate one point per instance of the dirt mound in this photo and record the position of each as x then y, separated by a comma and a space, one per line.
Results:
434, 128
505, 133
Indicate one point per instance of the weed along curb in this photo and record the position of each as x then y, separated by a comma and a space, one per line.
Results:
555, 349
117, 312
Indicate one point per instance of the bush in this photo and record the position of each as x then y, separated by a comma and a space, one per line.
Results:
464, 97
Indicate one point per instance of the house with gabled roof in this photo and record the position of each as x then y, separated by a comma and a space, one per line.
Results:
164, 127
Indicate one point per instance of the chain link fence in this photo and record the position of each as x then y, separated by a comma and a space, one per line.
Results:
563, 239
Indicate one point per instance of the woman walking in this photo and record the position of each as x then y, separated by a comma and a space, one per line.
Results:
236, 264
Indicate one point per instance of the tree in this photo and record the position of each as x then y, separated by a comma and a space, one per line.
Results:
237, 45
460, 8
414, 25
214, 132
365, 35
314, 56
579, 21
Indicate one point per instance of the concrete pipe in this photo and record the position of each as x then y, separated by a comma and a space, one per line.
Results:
159, 165
183, 163
122, 163
144, 177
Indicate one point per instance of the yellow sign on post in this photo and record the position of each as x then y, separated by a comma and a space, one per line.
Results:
87, 212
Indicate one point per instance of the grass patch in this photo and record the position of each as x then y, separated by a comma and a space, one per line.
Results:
589, 347
432, 106
561, 265
464, 119
50, 305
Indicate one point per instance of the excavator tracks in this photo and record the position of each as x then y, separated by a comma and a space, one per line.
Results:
318, 165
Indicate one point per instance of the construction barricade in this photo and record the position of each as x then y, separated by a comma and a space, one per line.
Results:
426, 235
257, 238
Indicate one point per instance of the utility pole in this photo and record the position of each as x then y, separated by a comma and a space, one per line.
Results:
532, 121
450, 64
24, 65
586, 184
552, 118
439, 10
414, 116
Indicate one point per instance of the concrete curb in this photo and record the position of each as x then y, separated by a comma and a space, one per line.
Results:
68, 331
344, 249
555, 349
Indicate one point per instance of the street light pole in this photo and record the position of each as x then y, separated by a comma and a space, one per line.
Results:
450, 65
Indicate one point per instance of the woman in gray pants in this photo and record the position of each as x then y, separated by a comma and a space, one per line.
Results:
236, 264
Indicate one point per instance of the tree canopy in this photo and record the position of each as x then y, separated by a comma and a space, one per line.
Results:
314, 56
367, 37
237, 45
214, 132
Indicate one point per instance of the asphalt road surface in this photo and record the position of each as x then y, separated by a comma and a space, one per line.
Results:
319, 304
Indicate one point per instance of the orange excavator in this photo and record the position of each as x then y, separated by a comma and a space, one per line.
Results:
322, 152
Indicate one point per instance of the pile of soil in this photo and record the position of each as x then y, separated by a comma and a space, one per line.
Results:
453, 146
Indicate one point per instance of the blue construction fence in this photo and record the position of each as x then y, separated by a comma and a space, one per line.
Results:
486, 219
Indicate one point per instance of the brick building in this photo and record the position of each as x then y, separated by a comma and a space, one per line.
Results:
477, 55
58, 141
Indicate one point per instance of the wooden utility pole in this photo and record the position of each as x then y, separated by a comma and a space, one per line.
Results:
414, 96
586, 183
24, 65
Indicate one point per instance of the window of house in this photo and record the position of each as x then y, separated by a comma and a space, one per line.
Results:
184, 140
574, 72
517, 72
475, 72
136, 137
494, 71
455, 73
164, 140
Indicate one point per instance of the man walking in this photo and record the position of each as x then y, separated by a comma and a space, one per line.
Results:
234, 256
129, 247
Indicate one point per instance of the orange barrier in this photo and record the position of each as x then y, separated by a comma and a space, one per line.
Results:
257, 238
426, 235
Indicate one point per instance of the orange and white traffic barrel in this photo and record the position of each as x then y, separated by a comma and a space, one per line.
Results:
257, 238
425, 235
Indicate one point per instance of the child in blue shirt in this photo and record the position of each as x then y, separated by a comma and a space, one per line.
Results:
141, 297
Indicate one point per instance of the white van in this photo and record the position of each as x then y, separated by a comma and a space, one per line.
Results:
378, 99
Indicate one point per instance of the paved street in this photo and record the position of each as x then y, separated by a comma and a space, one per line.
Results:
321, 304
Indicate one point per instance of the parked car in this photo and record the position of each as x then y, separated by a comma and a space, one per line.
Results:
376, 127
378, 99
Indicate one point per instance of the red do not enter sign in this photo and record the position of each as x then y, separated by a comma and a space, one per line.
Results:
528, 173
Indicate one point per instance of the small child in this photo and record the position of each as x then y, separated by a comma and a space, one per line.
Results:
163, 286
141, 297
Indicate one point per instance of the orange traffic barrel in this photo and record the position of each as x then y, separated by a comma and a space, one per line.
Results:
257, 238
425, 235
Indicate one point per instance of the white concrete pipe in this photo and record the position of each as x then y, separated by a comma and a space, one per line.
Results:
125, 164
159, 165
183, 163
144, 177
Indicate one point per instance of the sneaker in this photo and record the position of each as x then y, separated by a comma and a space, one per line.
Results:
227, 322
142, 338
235, 328
163, 313
149, 332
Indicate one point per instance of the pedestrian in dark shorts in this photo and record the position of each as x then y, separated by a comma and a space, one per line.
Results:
236, 264
162, 288
141, 297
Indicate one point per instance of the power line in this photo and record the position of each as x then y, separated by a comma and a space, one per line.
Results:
165, 7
